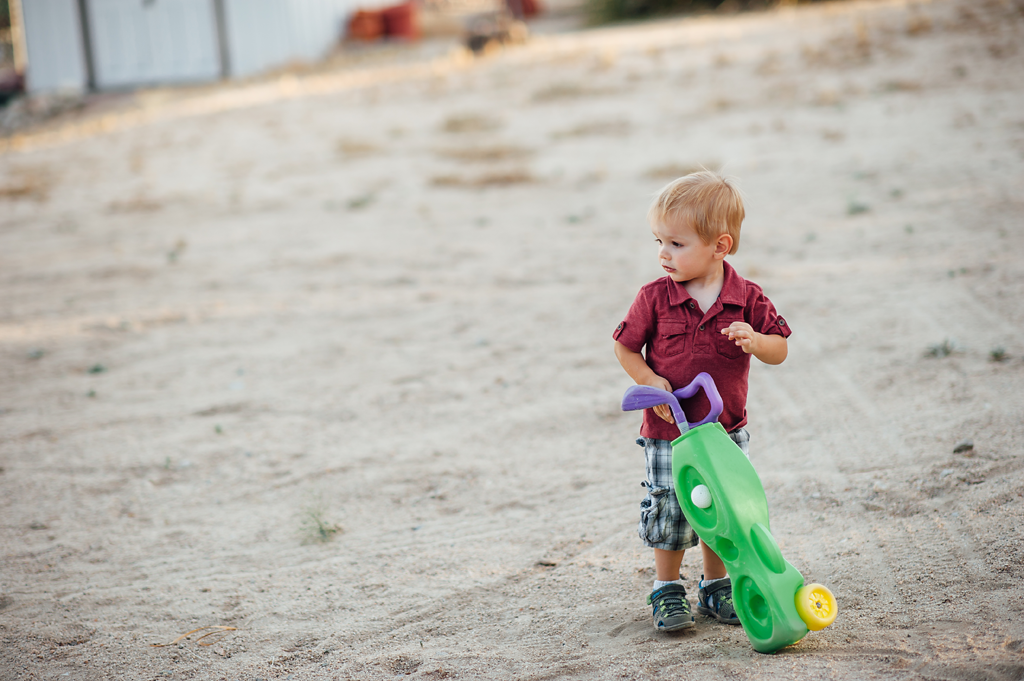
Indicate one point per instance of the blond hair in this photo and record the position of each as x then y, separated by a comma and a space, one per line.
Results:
707, 201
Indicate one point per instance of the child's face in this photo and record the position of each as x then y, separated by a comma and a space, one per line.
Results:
683, 254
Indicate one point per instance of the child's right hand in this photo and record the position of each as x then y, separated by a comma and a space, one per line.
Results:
662, 410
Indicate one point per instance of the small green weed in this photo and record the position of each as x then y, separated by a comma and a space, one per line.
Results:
175, 253
313, 524
998, 354
360, 202
944, 349
854, 207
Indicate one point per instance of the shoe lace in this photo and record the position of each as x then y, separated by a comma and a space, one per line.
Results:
716, 601
672, 603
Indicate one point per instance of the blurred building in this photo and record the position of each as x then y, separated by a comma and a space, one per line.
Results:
80, 45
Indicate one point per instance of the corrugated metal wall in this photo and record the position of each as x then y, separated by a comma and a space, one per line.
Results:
262, 34
53, 40
137, 42
143, 42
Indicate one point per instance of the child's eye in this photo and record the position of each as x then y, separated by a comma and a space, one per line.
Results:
677, 245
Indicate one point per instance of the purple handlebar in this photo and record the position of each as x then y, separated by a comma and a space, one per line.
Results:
705, 381
645, 397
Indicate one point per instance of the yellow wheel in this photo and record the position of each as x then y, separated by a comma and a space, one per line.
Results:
816, 606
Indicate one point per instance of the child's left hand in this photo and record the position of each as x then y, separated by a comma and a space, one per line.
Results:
744, 336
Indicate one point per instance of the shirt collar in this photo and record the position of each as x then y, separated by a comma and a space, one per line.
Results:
734, 289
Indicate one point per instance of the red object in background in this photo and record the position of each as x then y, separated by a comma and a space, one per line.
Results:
523, 9
402, 21
366, 25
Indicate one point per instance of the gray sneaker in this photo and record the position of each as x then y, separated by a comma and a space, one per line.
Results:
671, 610
716, 601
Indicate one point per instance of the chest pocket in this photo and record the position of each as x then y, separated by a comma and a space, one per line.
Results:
672, 337
726, 347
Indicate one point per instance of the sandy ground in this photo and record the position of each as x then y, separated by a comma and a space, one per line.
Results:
329, 361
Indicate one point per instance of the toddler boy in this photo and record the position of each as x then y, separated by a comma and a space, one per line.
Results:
702, 316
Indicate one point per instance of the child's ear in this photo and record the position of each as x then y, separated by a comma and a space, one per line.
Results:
723, 245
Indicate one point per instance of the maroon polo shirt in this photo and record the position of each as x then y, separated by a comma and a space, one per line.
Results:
681, 342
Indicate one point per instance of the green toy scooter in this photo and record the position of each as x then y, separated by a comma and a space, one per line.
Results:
724, 501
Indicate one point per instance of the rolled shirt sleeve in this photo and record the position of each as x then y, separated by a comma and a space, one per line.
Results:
763, 316
635, 330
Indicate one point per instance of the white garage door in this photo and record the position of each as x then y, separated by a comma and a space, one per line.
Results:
135, 42
53, 36
262, 34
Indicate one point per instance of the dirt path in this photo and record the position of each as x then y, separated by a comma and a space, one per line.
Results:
381, 315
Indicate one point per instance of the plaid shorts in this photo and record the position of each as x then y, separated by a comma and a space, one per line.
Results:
662, 523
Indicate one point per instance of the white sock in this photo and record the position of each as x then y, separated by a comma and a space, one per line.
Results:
709, 582
658, 583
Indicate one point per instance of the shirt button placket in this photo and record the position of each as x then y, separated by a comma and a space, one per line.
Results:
701, 343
